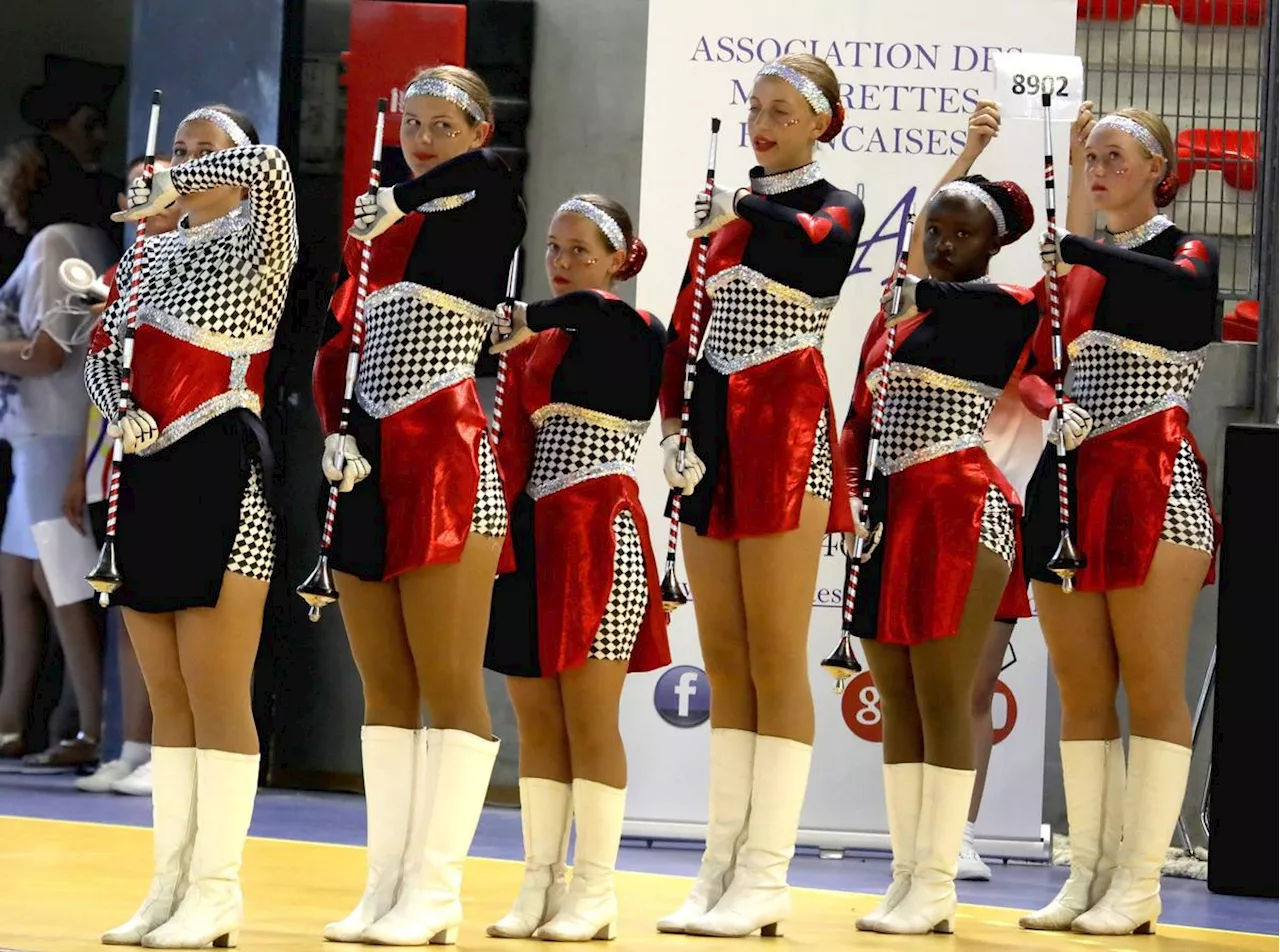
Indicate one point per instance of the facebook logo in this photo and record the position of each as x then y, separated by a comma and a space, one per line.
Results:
683, 696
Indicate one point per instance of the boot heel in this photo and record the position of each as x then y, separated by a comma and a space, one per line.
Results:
1147, 928
607, 933
772, 931
227, 941
445, 937
945, 927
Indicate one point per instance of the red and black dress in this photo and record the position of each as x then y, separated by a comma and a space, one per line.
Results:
435, 277
761, 417
937, 493
193, 505
1138, 317
580, 395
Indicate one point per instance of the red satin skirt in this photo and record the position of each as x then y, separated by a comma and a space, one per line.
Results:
1122, 482
755, 432
416, 507
914, 588
1015, 603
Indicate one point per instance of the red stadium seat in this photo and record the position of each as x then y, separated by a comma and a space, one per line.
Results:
1107, 9
1242, 323
1219, 12
1232, 152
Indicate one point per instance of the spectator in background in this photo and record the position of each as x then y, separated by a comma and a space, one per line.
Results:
56, 175
130, 773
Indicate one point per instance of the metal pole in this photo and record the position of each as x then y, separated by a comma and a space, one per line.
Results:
1265, 257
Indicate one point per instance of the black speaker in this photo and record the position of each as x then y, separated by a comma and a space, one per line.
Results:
1243, 786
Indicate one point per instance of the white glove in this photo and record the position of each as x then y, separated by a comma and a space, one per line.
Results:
860, 527
906, 303
374, 215
136, 431
1076, 425
145, 202
1050, 252
711, 215
510, 327
870, 534
694, 468
342, 462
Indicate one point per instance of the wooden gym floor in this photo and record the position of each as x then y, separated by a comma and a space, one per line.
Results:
62, 883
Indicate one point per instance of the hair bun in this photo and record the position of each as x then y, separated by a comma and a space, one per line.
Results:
1019, 213
835, 125
1167, 190
635, 261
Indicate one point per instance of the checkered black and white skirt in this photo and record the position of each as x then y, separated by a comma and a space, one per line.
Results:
628, 598
1188, 519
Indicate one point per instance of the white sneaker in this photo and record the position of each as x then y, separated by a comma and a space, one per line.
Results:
971, 867
137, 783
105, 777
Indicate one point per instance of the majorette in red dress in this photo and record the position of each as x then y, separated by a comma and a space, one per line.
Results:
435, 277
1139, 313
761, 418
209, 303
937, 493
580, 395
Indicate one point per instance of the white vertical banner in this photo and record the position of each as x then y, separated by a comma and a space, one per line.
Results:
911, 72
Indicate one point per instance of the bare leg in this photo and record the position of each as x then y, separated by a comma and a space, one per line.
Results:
217, 648
778, 577
984, 689
1152, 626
446, 613
544, 739
1077, 630
375, 629
716, 582
591, 695
22, 642
82, 649
136, 705
155, 640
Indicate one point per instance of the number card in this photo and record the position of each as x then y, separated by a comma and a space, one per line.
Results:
1023, 78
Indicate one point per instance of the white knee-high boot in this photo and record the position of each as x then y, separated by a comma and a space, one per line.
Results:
212, 910
758, 897
173, 822
729, 788
1093, 777
930, 903
429, 907
1153, 800
590, 910
546, 808
390, 756
902, 789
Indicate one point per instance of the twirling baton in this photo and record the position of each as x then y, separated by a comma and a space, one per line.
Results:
842, 663
504, 330
105, 577
318, 590
1067, 560
672, 593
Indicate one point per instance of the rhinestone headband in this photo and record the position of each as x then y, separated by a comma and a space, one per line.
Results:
441, 89
1135, 130
611, 229
969, 190
223, 122
807, 88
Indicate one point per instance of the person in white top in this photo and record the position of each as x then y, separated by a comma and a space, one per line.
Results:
43, 420
130, 773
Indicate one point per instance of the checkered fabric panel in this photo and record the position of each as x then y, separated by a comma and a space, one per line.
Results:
1187, 518
1115, 385
566, 445
628, 598
996, 532
746, 319
254, 551
821, 478
919, 414
489, 517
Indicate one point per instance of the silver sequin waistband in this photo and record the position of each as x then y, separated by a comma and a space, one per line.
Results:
733, 365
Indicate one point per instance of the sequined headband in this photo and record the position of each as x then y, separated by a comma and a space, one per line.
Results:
1135, 130
807, 88
441, 89
603, 221
970, 190
223, 122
